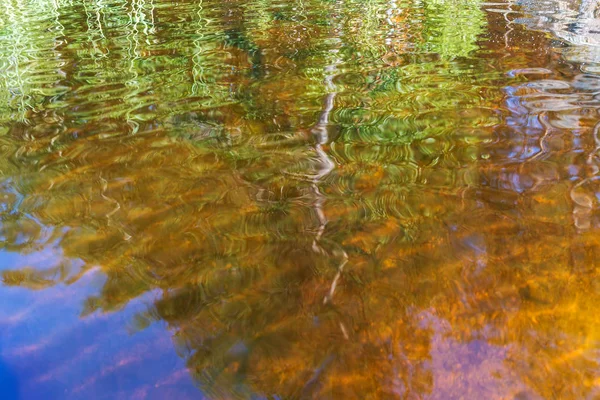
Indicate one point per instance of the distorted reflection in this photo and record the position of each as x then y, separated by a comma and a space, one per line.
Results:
576, 22
299, 199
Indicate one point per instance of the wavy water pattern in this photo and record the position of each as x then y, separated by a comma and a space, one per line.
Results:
299, 199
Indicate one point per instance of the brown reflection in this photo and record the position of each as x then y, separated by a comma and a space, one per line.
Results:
248, 174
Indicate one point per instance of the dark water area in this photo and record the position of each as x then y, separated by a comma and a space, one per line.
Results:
277, 199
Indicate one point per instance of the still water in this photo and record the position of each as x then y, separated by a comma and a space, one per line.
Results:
338, 199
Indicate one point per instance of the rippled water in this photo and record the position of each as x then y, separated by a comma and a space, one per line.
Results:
299, 199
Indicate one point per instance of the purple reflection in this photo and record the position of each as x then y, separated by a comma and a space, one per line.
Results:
474, 369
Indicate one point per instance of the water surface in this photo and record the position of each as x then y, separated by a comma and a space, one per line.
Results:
299, 199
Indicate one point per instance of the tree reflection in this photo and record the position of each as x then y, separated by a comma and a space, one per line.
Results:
198, 161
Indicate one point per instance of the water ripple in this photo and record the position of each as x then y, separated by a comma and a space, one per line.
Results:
302, 191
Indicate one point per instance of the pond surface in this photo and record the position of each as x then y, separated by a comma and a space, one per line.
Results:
339, 199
